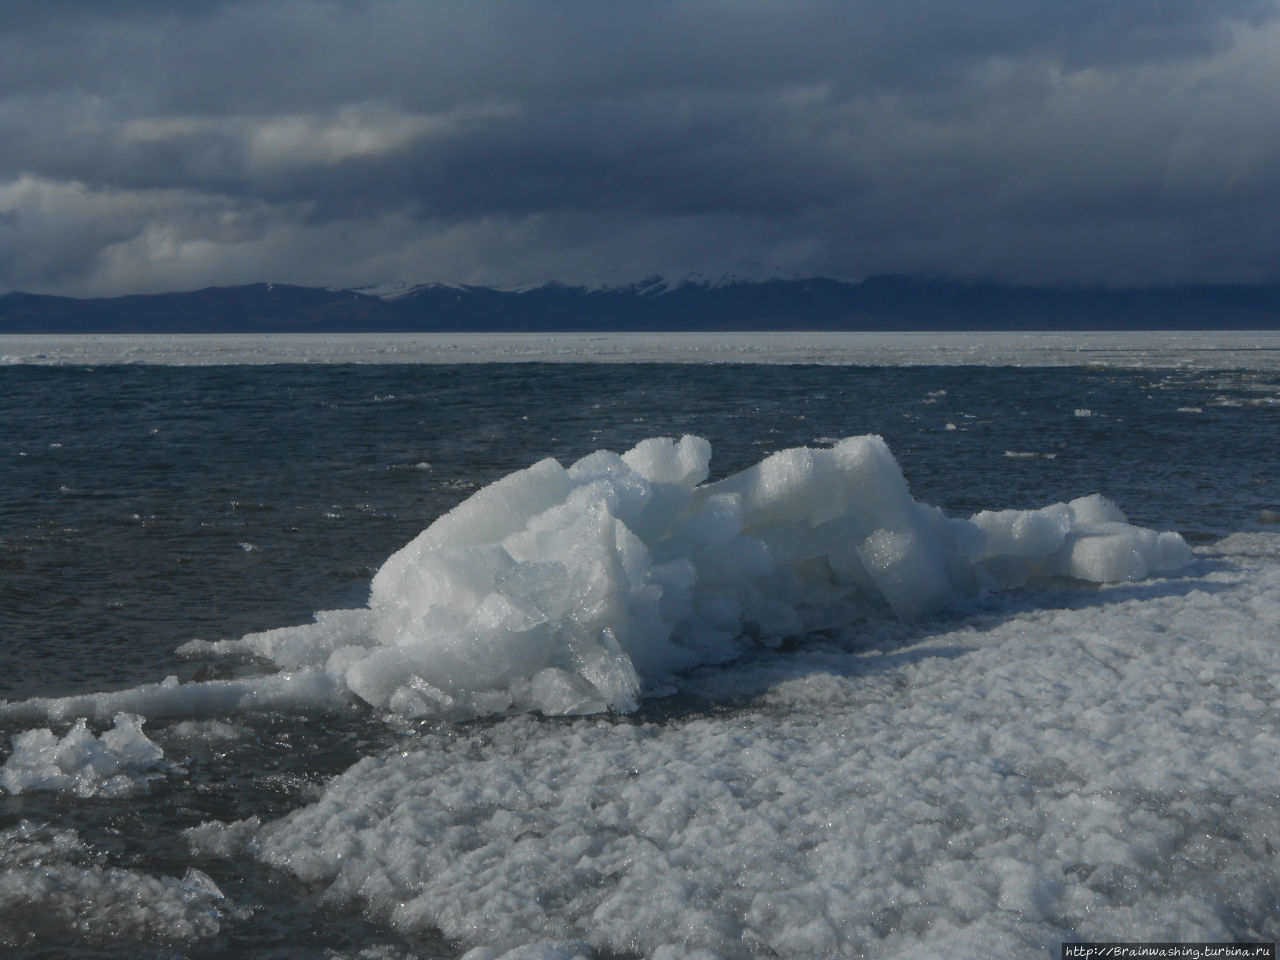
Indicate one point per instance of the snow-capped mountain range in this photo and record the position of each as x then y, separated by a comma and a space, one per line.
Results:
877, 303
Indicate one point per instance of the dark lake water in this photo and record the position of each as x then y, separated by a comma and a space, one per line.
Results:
141, 507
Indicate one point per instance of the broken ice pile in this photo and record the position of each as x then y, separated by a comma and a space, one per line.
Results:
571, 590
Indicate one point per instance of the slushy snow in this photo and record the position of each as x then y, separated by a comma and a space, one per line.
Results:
1068, 764
52, 883
575, 590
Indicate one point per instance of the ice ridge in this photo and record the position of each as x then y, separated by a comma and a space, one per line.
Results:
575, 589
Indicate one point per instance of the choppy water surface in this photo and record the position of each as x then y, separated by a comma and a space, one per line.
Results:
142, 507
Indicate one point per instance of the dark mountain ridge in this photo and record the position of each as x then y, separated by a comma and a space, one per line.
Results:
878, 303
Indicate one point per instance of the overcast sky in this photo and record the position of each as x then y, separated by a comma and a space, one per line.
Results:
161, 146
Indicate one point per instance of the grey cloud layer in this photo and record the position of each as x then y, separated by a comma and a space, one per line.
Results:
343, 142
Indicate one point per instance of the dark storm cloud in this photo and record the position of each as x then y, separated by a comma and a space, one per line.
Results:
156, 145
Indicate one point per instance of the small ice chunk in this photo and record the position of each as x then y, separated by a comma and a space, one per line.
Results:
1024, 533
1096, 509
661, 460
118, 763
1088, 539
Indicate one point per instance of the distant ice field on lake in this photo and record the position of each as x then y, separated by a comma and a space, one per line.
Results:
1204, 349
312, 649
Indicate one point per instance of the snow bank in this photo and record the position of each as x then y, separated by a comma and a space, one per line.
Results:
572, 590
118, 763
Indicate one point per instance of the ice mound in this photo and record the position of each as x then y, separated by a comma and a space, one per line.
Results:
118, 763
570, 590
